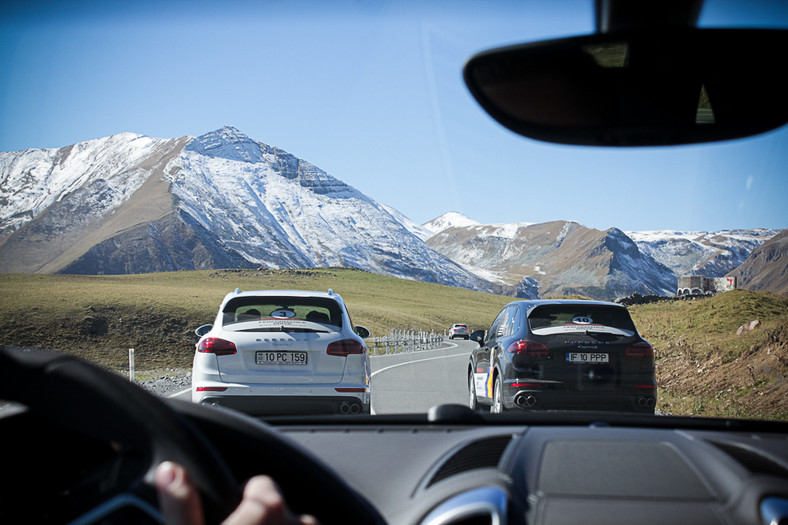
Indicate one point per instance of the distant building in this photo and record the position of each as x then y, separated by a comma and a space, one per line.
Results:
700, 285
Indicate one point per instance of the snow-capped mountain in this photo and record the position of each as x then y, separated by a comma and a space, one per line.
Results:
712, 254
564, 257
448, 220
134, 204
57, 203
128, 203
554, 258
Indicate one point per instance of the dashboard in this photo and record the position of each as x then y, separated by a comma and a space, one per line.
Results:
448, 467
591, 474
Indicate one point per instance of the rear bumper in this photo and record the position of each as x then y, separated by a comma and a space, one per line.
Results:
260, 400
282, 405
620, 401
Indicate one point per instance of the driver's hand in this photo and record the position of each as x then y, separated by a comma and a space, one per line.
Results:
262, 503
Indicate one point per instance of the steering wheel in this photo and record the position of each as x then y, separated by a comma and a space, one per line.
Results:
98, 404
70, 394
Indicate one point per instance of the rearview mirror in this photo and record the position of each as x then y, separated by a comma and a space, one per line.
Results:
362, 332
637, 89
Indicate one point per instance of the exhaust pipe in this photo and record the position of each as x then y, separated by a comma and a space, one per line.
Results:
525, 401
355, 408
344, 407
646, 402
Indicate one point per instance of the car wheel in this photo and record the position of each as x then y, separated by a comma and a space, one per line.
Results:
497, 406
473, 402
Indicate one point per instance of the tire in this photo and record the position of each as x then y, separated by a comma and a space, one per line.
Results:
497, 406
473, 402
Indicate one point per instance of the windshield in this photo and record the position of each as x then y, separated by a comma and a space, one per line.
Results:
155, 156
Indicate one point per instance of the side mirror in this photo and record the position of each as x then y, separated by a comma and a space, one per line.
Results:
478, 336
204, 329
362, 332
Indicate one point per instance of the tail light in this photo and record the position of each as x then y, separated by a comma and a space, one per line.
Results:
528, 347
214, 345
211, 388
639, 350
345, 347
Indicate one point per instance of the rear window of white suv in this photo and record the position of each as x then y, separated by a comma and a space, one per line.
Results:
278, 310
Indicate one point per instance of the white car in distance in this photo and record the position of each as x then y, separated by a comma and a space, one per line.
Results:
282, 352
459, 330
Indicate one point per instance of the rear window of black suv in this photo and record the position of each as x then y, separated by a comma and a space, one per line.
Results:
562, 318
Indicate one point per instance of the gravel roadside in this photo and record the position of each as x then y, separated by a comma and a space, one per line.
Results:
167, 382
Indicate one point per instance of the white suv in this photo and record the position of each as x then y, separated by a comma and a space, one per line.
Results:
459, 330
282, 352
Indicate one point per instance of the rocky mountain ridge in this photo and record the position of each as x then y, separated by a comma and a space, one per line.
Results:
565, 257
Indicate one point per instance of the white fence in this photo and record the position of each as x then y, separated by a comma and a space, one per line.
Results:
401, 341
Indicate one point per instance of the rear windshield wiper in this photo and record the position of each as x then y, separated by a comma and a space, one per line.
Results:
615, 332
291, 329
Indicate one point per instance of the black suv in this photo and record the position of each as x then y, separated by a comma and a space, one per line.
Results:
562, 354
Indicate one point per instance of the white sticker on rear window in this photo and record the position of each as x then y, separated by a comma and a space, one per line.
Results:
582, 328
582, 320
283, 314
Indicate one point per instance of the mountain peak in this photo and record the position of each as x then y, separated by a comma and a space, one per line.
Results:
228, 143
448, 220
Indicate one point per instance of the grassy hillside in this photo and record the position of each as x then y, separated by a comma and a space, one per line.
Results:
101, 317
703, 367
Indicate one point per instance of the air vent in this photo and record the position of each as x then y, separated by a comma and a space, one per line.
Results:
754, 462
484, 453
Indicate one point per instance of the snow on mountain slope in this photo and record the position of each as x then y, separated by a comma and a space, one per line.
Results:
712, 254
278, 211
33, 179
58, 203
413, 227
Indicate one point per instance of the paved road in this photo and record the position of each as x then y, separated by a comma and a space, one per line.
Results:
414, 382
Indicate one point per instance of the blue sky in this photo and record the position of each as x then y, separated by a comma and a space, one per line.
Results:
371, 92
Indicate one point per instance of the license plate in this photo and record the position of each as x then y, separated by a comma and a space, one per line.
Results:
587, 357
281, 358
